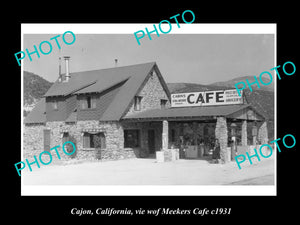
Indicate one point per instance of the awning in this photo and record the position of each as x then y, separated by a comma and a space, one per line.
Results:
228, 111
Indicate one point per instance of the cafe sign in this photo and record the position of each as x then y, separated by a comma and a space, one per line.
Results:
206, 98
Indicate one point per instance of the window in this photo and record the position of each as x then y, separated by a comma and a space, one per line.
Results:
131, 138
55, 105
65, 137
163, 103
88, 102
90, 140
137, 103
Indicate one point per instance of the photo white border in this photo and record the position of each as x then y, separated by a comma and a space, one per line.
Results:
151, 190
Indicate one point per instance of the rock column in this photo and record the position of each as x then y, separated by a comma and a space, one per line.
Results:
244, 133
222, 135
263, 133
165, 134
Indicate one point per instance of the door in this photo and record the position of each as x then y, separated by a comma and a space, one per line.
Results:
151, 141
46, 140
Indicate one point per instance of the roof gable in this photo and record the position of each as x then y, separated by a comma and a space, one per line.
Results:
129, 79
124, 97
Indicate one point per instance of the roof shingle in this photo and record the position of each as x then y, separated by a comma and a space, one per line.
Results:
128, 79
38, 114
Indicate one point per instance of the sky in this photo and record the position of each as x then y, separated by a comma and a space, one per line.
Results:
189, 58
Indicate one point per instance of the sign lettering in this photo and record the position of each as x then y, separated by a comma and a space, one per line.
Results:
206, 98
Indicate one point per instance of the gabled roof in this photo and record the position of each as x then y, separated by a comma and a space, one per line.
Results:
38, 114
124, 83
100, 80
89, 81
130, 88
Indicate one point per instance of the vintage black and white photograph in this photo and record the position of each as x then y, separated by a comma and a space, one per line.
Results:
179, 110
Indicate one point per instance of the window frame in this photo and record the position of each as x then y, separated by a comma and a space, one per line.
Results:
163, 103
88, 138
88, 102
138, 137
65, 137
55, 105
137, 103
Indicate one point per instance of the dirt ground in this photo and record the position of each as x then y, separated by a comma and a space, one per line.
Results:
149, 172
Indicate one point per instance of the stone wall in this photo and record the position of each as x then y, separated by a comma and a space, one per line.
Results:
33, 137
262, 134
152, 92
221, 134
114, 135
244, 138
34, 140
171, 154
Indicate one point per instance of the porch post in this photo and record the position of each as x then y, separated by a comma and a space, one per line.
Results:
244, 132
222, 135
165, 134
263, 133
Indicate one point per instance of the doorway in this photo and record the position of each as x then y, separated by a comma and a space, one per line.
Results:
151, 141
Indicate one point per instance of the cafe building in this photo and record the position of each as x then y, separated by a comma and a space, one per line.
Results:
128, 111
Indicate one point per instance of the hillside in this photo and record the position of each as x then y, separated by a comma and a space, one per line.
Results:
192, 87
232, 82
34, 88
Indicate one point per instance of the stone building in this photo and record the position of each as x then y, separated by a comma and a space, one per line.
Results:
129, 109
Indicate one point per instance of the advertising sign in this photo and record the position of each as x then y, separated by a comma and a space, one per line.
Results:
206, 98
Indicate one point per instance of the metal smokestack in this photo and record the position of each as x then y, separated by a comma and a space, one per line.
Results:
59, 69
67, 58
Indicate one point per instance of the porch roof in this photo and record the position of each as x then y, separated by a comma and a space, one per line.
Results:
229, 111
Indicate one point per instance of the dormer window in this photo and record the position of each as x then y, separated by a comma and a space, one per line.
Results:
88, 102
55, 105
137, 103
